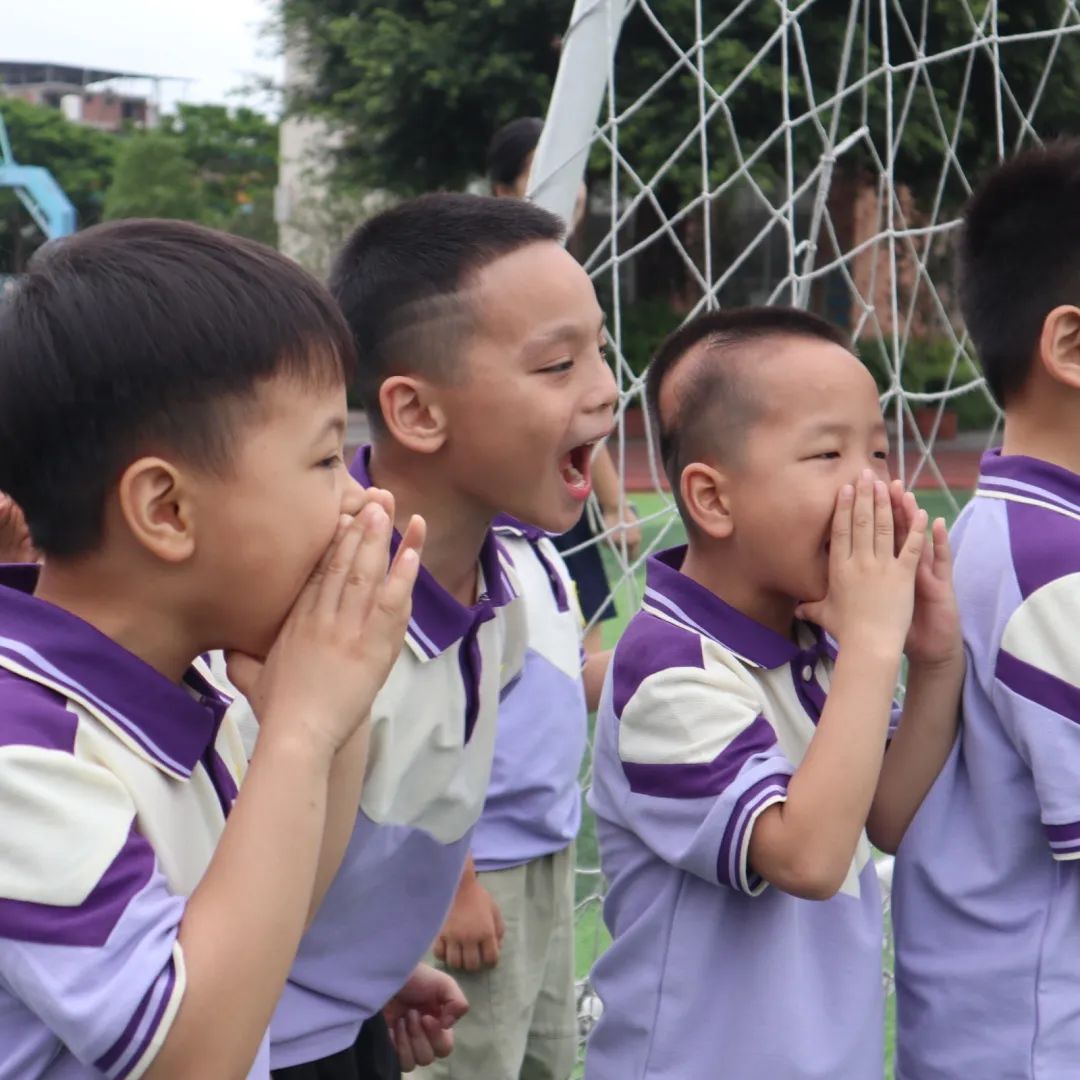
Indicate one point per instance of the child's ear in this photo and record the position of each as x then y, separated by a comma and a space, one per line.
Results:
705, 492
1059, 345
157, 506
412, 413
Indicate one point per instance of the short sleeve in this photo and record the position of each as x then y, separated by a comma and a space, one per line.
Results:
1037, 696
88, 925
701, 761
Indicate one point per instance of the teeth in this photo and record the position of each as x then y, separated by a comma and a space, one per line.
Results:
574, 477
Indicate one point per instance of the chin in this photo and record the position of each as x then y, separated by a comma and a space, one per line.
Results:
554, 517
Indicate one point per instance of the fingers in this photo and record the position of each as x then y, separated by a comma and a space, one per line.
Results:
942, 557
862, 516
453, 955
381, 497
911, 553
419, 1040
455, 1005
840, 541
393, 603
489, 951
439, 949
414, 535
471, 959
440, 1038
900, 514
333, 578
883, 521
309, 594
368, 567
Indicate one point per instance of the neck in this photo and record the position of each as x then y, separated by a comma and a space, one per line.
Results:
1043, 425
712, 567
102, 597
455, 528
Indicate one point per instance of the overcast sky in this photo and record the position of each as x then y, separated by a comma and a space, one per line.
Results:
216, 44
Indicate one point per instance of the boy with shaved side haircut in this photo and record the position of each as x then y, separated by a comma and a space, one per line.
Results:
482, 369
741, 737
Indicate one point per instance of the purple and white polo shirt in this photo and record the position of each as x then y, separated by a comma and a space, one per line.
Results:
706, 715
986, 890
533, 805
432, 742
114, 787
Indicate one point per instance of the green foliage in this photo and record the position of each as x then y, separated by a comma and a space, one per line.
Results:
206, 163
81, 159
644, 325
928, 369
154, 179
236, 155
418, 86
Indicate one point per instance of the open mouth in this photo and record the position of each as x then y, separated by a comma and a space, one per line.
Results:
576, 470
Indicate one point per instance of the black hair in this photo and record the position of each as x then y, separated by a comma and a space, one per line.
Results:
1019, 258
717, 403
510, 146
400, 280
144, 336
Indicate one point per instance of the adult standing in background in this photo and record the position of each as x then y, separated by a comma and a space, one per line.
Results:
509, 159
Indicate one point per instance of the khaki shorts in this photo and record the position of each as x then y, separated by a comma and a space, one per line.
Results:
522, 1022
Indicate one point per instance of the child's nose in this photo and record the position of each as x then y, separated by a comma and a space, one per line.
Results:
352, 498
604, 393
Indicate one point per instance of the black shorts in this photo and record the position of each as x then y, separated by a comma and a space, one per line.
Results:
371, 1057
587, 569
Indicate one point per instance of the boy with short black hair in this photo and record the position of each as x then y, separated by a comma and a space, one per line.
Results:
483, 375
172, 410
736, 748
986, 898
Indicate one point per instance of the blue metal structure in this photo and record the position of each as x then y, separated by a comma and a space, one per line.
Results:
36, 188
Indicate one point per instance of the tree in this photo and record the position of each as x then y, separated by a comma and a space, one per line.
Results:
236, 156
154, 179
80, 158
417, 87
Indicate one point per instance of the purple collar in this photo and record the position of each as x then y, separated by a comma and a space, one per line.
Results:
438, 619
161, 719
671, 593
505, 525
1014, 474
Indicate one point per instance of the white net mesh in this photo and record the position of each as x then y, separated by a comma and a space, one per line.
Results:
814, 154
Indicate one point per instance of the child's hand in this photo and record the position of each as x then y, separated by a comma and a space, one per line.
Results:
421, 1014
934, 637
15, 543
472, 934
871, 585
342, 636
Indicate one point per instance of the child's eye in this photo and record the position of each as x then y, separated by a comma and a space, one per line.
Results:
558, 369
828, 455
881, 455
331, 462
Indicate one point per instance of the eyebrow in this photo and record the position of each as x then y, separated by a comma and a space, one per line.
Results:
563, 332
831, 428
335, 425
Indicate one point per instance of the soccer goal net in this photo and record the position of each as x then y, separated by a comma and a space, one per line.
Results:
814, 154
